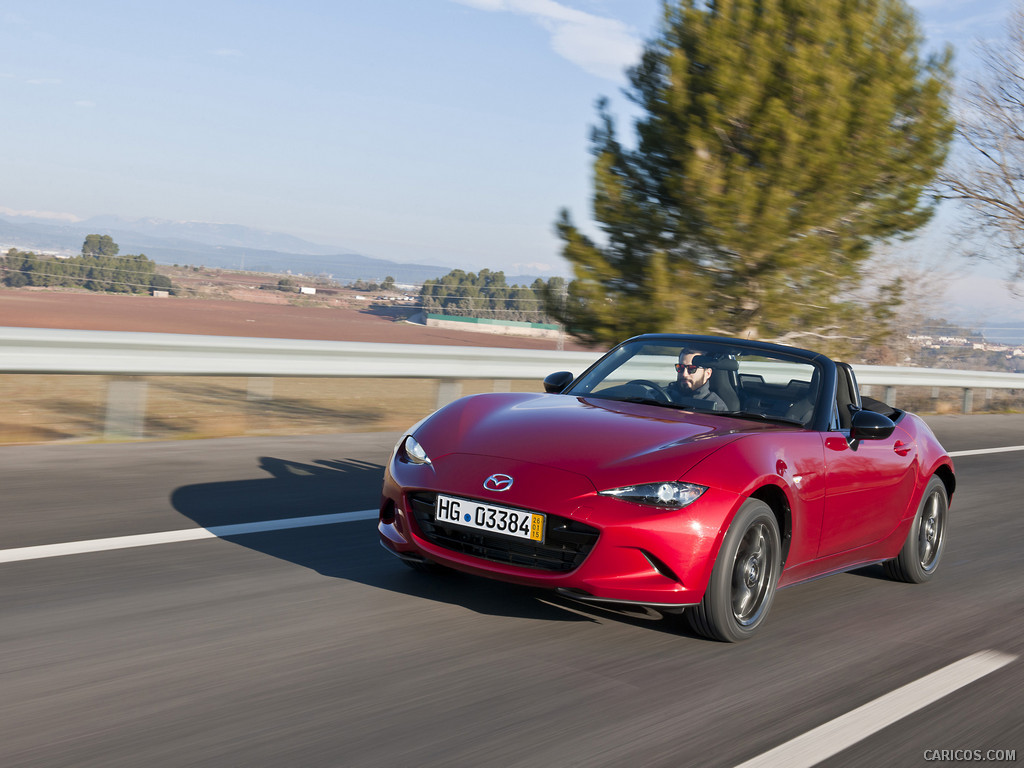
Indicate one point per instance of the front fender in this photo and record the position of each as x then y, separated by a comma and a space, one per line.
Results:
790, 463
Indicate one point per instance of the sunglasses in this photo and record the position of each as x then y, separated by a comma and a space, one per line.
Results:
688, 368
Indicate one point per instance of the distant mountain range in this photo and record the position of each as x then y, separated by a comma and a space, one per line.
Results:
223, 246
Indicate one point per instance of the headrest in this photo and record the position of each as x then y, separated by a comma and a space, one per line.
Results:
717, 363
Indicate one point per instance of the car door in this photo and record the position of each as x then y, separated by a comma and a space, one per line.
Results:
868, 482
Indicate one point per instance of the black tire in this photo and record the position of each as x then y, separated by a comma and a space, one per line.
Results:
926, 541
742, 586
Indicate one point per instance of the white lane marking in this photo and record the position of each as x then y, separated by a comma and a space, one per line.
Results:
833, 737
170, 537
987, 450
193, 534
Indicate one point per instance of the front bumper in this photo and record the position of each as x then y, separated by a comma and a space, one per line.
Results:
610, 550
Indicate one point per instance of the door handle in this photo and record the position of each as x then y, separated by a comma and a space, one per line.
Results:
902, 448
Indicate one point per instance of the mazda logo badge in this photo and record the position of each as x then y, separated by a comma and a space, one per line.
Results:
498, 483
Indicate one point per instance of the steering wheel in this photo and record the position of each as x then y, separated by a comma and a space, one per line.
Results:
649, 386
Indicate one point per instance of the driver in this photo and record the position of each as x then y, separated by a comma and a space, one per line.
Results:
691, 385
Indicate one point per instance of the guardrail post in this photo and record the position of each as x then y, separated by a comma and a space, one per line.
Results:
890, 396
968, 399
126, 408
448, 390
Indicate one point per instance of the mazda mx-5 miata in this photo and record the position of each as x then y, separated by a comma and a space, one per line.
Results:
678, 472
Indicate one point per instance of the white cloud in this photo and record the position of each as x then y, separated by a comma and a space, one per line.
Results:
601, 46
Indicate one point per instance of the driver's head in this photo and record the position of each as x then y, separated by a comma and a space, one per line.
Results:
690, 376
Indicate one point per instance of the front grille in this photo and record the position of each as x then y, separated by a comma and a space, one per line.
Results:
566, 542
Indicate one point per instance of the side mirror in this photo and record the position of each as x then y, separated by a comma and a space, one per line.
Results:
870, 425
556, 382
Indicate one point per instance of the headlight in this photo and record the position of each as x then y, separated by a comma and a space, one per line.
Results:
413, 452
663, 495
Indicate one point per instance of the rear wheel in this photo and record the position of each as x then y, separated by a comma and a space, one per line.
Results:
742, 585
919, 558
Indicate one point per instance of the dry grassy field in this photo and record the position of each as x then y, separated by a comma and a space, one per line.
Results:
75, 408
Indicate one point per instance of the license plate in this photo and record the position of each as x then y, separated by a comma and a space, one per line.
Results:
489, 517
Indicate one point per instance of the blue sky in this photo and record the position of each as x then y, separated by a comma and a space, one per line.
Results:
440, 131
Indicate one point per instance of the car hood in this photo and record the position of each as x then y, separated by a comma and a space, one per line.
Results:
605, 440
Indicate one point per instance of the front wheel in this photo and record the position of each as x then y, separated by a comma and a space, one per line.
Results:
919, 558
742, 585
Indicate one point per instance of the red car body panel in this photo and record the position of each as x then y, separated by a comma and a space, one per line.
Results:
843, 503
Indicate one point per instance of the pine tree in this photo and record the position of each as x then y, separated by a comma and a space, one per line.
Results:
779, 141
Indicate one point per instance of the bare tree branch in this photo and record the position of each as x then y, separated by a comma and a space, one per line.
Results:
988, 173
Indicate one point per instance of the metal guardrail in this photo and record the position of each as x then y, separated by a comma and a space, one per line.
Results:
896, 376
126, 354
44, 350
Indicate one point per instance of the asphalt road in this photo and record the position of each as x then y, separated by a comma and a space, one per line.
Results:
314, 647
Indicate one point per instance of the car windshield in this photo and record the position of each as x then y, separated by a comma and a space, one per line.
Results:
726, 378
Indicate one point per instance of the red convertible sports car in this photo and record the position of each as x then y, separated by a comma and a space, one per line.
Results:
679, 472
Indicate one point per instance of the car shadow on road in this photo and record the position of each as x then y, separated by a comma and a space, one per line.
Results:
351, 550
876, 571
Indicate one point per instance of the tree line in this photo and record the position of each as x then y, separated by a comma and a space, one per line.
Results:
486, 294
98, 268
